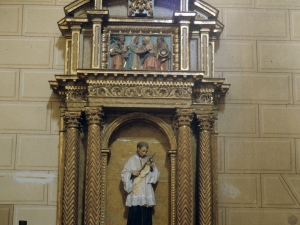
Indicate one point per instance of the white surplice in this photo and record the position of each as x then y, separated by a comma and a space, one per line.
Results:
143, 194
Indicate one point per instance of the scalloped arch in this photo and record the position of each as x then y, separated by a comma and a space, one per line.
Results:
139, 116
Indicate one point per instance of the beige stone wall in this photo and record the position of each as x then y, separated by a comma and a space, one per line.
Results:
259, 126
259, 121
31, 53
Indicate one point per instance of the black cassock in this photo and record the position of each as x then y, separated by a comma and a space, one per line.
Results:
139, 215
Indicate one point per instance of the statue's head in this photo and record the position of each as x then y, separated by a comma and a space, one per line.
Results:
142, 148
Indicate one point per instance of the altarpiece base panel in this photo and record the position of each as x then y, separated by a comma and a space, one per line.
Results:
134, 71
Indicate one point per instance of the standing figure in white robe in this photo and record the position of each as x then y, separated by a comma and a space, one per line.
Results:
138, 176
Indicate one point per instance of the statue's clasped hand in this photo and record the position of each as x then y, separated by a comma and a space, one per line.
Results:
136, 173
149, 163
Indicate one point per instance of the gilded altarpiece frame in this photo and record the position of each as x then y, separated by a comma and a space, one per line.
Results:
98, 100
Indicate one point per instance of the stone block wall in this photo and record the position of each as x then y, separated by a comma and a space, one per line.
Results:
31, 53
259, 120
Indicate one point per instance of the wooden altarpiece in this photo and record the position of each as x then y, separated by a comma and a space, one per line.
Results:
99, 97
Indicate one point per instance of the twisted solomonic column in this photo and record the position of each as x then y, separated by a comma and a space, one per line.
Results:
71, 168
205, 184
93, 167
185, 199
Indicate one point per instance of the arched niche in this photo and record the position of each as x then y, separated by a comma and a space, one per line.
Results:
139, 116
122, 146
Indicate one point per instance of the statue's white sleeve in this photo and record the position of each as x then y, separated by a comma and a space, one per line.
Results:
126, 176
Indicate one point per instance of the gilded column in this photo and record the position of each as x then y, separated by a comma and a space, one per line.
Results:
98, 4
212, 45
184, 45
184, 5
60, 181
205, 184
205, 62
184, 19
93, 167
185, 199
97, 26
75, 48
104, 160
172, 155
70, 189
68, 54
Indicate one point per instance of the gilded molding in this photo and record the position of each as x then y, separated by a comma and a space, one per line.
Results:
205, 171
139, 91
71, 165
185, 198
105, 49
93, 167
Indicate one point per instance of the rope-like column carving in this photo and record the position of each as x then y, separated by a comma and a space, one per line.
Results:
104, 159
93, 168
172, 155
185, 200
70, 184
205, 170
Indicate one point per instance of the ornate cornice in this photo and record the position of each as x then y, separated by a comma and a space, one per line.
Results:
139, 84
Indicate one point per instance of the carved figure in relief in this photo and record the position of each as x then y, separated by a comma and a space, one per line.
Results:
163, 53
117, 53
132, 60
138, 175
148, 55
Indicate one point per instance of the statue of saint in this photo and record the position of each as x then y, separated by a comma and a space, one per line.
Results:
148, 55
117, 53
138, 175
132, 60
162, 52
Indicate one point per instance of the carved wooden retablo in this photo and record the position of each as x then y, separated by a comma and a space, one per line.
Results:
138, 69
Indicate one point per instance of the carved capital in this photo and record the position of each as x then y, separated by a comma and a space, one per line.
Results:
94, 114
184, 117
72, 119
206, 121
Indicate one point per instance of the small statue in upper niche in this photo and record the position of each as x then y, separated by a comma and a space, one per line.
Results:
162, 52
117, 52
132, 59
148, 55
